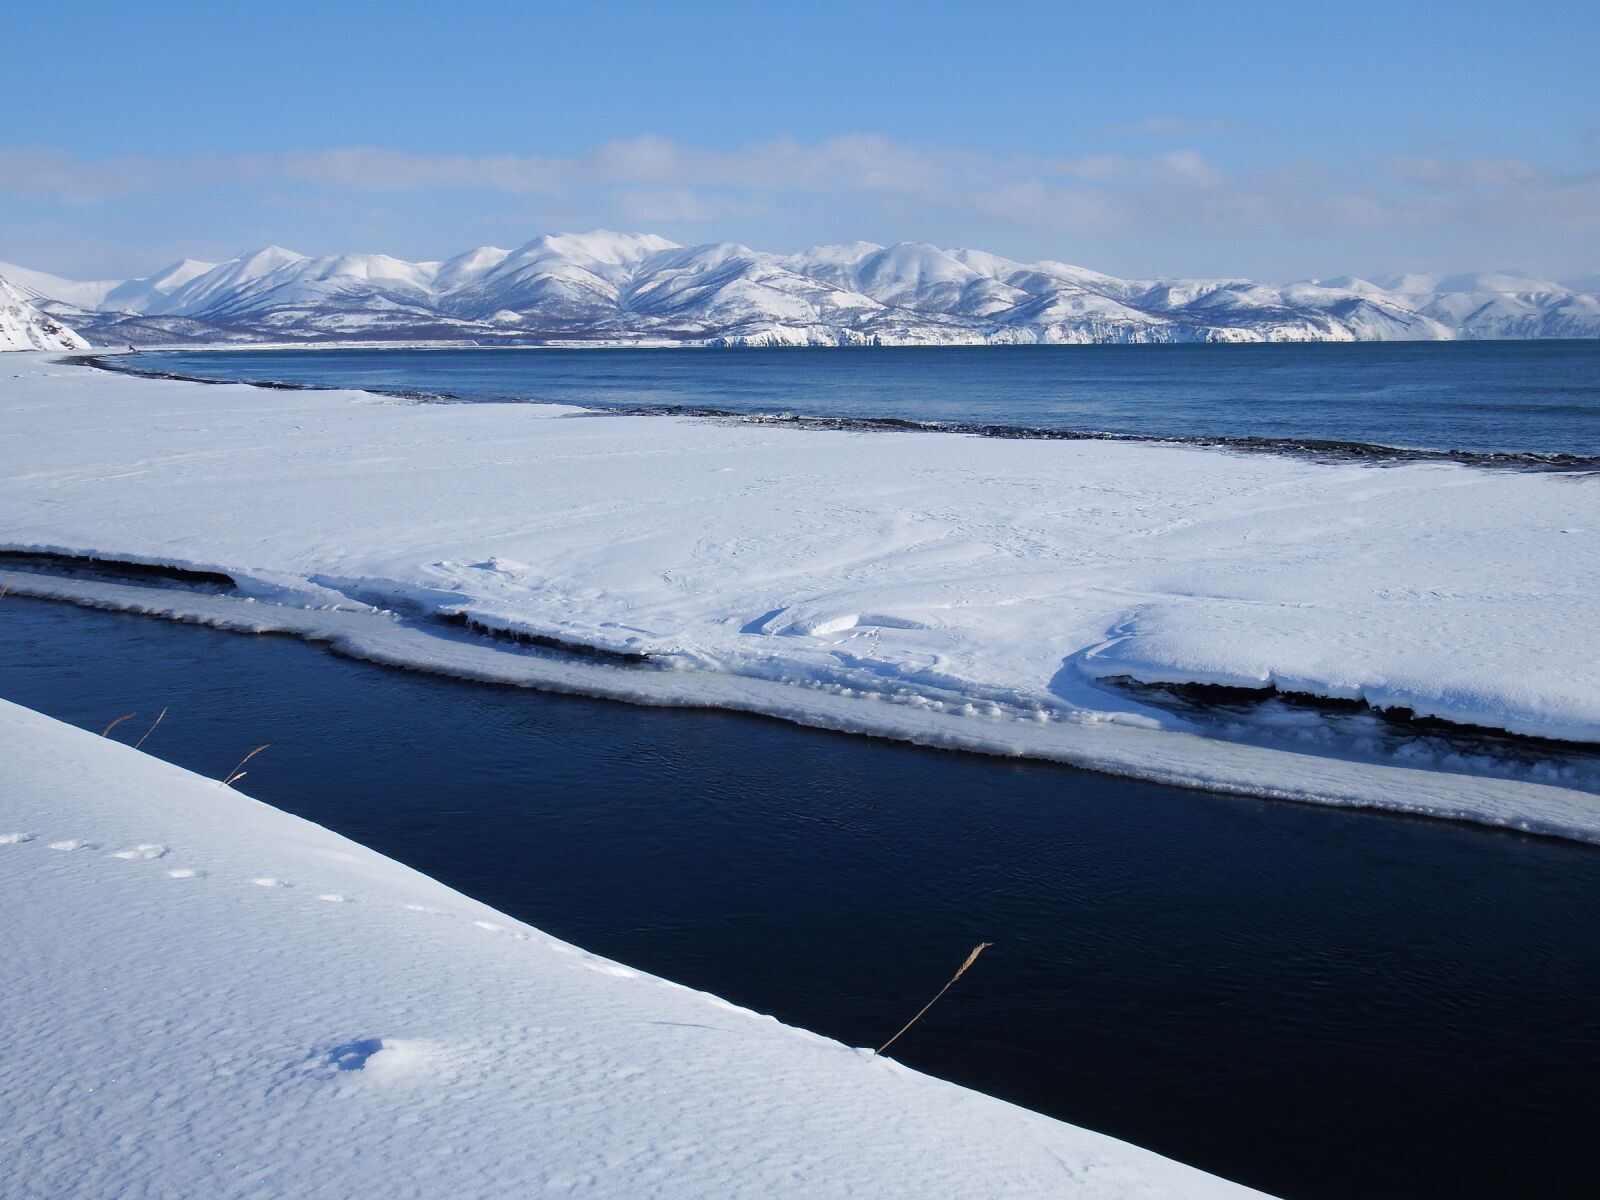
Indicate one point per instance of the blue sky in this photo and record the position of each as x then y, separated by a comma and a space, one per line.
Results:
1278, 141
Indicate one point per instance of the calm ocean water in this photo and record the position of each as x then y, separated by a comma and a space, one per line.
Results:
1486, 397
1321, 1002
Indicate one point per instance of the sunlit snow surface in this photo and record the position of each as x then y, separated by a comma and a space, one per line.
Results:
950, 590
24, 327
210, 997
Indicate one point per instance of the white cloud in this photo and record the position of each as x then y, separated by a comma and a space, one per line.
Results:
661, 205
1462, 172
1187, 167
654, 179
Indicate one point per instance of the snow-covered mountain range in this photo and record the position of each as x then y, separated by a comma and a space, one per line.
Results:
24, 327
632, 288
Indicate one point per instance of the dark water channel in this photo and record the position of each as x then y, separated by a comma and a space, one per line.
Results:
1318, 1002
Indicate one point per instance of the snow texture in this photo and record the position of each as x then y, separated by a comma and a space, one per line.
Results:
943, 589
24, 327
209, 997
631, 288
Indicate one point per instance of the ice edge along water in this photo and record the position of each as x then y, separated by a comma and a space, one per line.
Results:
221, 999
942, 590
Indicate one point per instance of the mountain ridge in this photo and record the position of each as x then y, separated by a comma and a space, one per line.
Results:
618, 288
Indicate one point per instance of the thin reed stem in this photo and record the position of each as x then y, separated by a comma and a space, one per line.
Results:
238, 773
960, 971
106, 732
152, 728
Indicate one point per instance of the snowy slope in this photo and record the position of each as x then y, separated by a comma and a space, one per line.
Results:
143, 295
1495, 305
613, 287
210, 997
40, 285
24, 327
954, 591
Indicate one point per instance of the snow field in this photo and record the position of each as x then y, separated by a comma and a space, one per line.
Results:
945, 589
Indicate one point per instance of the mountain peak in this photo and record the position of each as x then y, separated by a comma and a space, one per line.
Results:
601, 245
606, 286
269, 254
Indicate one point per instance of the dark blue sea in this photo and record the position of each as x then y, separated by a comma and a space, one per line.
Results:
1518, 398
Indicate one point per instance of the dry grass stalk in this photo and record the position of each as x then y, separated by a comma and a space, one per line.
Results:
238, 773
106, 732
152, 728
960, 971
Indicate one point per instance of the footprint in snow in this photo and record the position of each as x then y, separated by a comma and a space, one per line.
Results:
378, 1058
268, 881
353, 1056
334, 898
144, 850
12, 839
185, 873
70, 844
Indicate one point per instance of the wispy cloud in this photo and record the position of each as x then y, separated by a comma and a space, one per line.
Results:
684, 204
1431, 170
655, 179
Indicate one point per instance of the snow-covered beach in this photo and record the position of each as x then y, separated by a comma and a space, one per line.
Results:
561, 566
947, 590
222, 999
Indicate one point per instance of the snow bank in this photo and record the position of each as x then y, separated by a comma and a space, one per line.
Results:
210, 997
950, 590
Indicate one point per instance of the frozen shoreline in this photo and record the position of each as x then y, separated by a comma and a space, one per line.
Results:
943, 589
225, 1000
